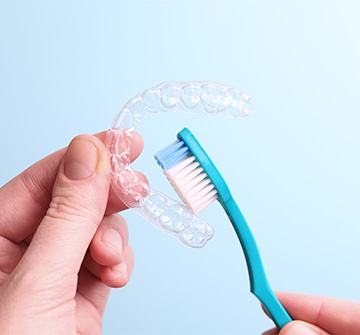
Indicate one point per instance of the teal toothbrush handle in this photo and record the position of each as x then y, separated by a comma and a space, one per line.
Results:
259, 284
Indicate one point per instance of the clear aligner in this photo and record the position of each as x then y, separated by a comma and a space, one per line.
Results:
173, 217
162, 211
200, 97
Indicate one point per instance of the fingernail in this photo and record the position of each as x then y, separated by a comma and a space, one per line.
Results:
80, 159
120, 270
300, 328
113, 239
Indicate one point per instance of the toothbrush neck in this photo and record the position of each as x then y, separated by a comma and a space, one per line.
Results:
254, 264
259, 284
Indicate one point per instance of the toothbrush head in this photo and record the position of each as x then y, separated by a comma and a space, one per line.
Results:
198, 182
191, 172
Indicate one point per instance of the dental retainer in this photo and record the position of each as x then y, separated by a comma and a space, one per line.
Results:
169, 215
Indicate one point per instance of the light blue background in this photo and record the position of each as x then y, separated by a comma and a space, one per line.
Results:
66, 68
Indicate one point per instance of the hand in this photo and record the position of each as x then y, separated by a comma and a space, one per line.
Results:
60, 247
319, 315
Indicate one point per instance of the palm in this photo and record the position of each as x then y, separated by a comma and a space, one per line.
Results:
59, 254
75, 303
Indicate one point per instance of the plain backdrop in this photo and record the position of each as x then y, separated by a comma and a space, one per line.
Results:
66, 67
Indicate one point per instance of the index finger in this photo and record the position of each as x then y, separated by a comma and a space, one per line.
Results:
335, 316
25, 199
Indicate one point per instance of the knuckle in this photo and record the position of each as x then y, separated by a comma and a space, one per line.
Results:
69, 205
122, 227
10, 255
24, 282
38, 191
121, 223
115, 222
45, 286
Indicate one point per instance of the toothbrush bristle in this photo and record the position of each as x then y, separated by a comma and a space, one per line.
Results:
186, 175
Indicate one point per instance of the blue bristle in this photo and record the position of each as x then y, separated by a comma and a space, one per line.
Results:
172, 154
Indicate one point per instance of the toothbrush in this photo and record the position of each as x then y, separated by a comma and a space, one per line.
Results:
199, 183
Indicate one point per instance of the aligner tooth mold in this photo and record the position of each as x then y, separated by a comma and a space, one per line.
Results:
169, 215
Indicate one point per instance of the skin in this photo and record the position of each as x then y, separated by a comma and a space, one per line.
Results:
62, 248
319, 315
56, 267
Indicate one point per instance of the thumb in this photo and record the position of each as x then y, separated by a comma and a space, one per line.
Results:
301, 328
78, 204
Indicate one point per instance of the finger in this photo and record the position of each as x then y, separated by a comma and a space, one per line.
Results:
110, 241
301, 328
136, 145
114, 200
10, 255
77, 207
118, 275
93, 290
88, 320
115, 275
93, 267
273, 331
333, 315
31, 191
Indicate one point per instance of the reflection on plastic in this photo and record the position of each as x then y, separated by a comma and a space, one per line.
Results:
162, 211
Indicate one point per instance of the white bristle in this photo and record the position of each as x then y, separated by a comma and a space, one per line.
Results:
188, 170
202, 193
195, 188
192, 184
183, 180
175, 169
194, 181
203, 204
